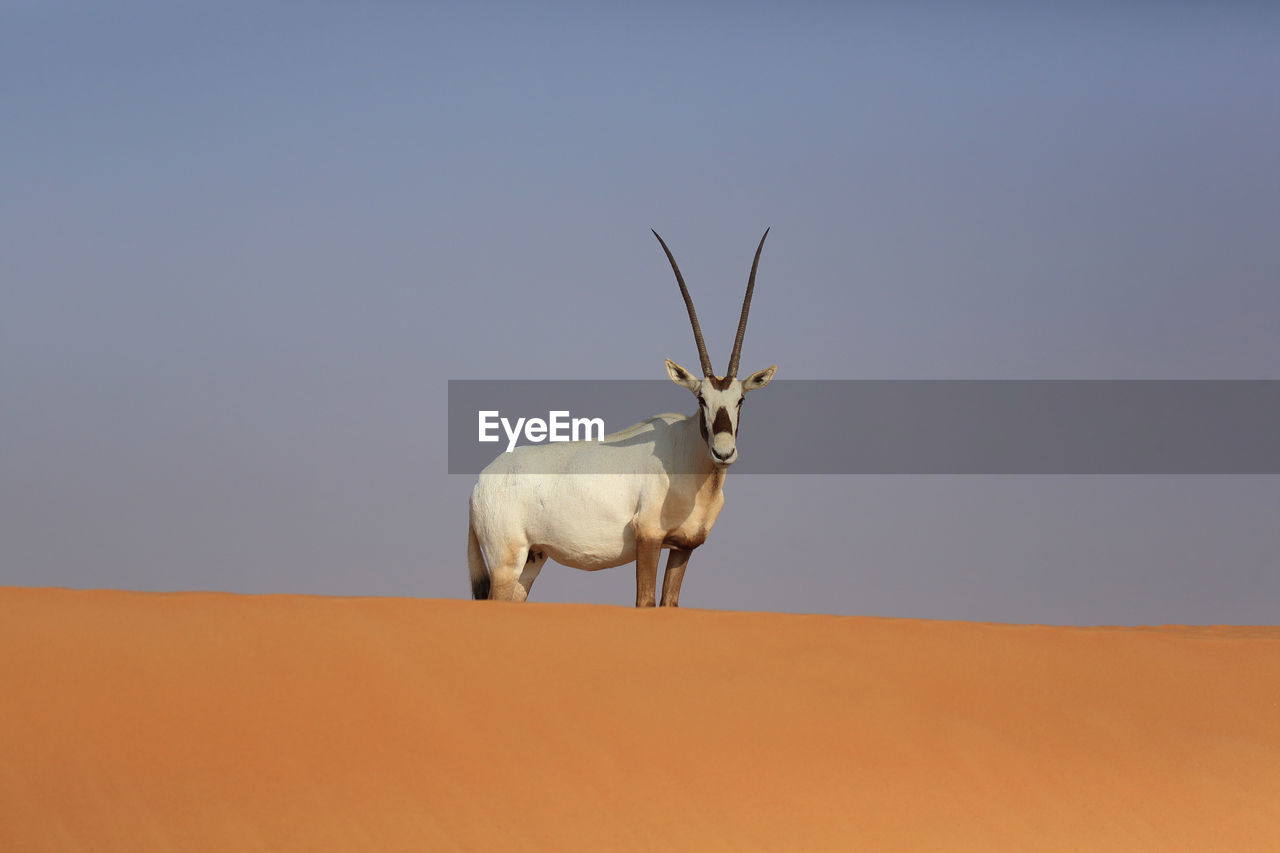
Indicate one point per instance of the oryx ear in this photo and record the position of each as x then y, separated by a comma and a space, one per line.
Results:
681, 377
759, 379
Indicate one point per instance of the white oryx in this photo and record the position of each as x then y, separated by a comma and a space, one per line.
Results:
595, 505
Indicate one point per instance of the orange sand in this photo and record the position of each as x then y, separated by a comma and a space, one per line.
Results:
193, 722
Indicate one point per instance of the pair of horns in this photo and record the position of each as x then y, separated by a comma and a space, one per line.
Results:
707, 369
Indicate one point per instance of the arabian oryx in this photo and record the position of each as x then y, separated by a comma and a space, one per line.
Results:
599, 504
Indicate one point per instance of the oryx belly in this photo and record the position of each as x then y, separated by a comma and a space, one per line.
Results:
584, 521
577, 502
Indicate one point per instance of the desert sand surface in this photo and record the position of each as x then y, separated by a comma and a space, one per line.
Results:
202, 721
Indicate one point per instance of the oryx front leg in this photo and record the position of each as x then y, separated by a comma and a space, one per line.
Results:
648, 552
676, 562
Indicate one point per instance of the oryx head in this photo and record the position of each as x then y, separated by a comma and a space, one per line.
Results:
719, 397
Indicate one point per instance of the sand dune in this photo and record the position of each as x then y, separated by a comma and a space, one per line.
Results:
192, 722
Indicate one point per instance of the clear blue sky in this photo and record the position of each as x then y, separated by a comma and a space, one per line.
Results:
244, 246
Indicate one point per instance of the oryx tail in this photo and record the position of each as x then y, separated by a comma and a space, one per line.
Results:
475, 562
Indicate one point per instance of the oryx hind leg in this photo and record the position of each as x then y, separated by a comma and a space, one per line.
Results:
506, 573
533, 564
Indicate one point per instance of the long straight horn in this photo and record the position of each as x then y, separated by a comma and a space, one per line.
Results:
746, 307
707, 370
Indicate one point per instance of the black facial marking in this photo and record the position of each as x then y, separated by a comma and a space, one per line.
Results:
722, 423
702, 424
721, 383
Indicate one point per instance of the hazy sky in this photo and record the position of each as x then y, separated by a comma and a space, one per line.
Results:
243, 247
